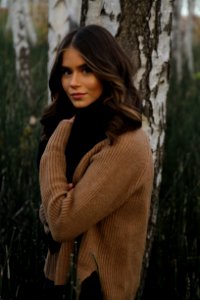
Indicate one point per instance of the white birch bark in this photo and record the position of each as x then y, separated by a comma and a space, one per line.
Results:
31, 33
105, 13
158, 78
63, 15
25, 8
21, 46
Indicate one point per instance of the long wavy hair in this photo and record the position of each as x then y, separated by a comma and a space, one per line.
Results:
112, 67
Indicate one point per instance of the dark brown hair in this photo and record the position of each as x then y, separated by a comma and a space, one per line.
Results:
111, 65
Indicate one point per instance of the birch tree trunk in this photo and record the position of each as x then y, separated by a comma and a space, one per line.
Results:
143, 28
21, 46
31, 33
150, 51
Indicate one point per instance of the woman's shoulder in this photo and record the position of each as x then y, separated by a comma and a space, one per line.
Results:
129, 146
135, 138
134, 147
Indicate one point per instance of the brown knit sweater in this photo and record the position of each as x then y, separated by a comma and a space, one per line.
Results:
109, 205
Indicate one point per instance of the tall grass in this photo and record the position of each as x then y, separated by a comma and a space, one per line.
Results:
175, 262
21, 247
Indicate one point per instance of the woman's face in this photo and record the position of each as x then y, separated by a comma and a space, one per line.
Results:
78, 81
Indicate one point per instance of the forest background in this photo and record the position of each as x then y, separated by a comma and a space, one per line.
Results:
174, 269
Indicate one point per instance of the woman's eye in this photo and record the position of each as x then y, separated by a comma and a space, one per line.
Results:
65, 71
86, 70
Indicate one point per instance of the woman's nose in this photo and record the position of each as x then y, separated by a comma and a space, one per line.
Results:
75, 80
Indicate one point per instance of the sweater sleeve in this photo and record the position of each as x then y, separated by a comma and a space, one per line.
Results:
113, 173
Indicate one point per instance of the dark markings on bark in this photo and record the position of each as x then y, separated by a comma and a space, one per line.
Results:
72, 24
104, 13
134, 23
84, 10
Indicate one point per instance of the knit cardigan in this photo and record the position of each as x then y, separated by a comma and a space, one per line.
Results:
108, 204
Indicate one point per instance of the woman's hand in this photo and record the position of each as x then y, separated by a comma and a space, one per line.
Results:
70, 186
70, 120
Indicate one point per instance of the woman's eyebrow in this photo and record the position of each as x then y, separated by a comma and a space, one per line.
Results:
79, 66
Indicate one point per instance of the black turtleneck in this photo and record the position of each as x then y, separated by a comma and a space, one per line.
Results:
88, 129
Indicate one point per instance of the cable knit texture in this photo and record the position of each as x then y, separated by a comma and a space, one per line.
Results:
108, 205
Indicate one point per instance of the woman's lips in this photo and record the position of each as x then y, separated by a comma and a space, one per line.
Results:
77, 96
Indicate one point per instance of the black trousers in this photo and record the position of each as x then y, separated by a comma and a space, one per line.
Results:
90, 290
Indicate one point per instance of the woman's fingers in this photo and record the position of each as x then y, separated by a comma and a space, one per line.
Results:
70, 186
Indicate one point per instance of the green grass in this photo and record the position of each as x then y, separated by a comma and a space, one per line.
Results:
21, 245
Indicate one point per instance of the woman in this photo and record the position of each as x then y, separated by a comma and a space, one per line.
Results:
96, 171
